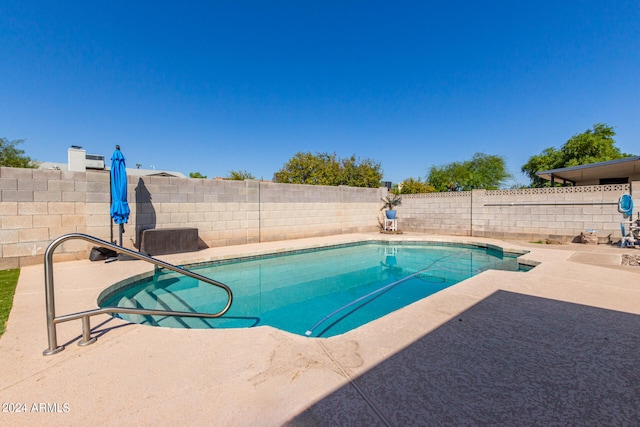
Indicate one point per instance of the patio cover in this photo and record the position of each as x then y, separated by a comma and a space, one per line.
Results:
578, 175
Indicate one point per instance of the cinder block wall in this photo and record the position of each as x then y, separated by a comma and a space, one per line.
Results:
37, 206
560, 213
555, 213
439, 213
224, 212
293, 211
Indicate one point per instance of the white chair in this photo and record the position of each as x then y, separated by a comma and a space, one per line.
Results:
390, 224
630, 234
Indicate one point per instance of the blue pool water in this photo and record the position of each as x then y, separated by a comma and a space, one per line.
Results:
318, 293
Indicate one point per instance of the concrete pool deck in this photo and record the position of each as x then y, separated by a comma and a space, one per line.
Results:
557, 345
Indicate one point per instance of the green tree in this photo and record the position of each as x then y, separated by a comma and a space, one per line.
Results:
239, 175
360, 173
328, 169
548, 159
483, 171
13, 157
308, 168
196, 175
592, 146
414, 186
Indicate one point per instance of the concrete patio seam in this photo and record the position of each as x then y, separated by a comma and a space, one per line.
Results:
355, 386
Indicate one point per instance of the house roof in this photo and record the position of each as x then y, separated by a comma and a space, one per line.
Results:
153, 172
619, 168
130, 171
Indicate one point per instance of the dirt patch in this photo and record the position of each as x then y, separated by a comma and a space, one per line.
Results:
631, 260
391, 232
548, 242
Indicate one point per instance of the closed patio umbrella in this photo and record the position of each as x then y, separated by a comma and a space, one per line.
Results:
119, 205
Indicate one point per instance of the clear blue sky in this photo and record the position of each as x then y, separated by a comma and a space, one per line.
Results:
214, 86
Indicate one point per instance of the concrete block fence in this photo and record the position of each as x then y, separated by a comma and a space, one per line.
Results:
559, 213
37, 206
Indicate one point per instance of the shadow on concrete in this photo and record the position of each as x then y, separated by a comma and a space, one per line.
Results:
145, 212
99, 330
511, 359
202, 244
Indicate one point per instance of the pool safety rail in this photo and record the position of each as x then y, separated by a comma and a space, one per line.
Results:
86, 339
309, 332
383, 289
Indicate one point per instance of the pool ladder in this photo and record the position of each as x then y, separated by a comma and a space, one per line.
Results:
86, 339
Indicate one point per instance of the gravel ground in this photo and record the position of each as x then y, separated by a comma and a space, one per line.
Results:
632, 260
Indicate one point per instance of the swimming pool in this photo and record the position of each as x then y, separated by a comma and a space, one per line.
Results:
319, 292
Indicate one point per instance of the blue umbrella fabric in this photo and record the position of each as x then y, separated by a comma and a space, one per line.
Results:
625, 205
119, 206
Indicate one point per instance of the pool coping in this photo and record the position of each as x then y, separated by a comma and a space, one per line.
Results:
260, 376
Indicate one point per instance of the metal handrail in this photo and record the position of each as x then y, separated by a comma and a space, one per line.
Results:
309, 332
52, 320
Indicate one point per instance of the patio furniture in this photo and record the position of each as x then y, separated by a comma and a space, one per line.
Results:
390, 224
161, 241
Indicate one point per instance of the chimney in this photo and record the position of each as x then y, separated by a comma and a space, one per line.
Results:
77, 159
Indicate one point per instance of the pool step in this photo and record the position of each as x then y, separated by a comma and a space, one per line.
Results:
146, 299
129, 303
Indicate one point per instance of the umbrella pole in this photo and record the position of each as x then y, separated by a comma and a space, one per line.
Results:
111, 202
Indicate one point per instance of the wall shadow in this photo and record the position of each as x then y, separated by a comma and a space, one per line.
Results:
202, 244
511, 359
145, 212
